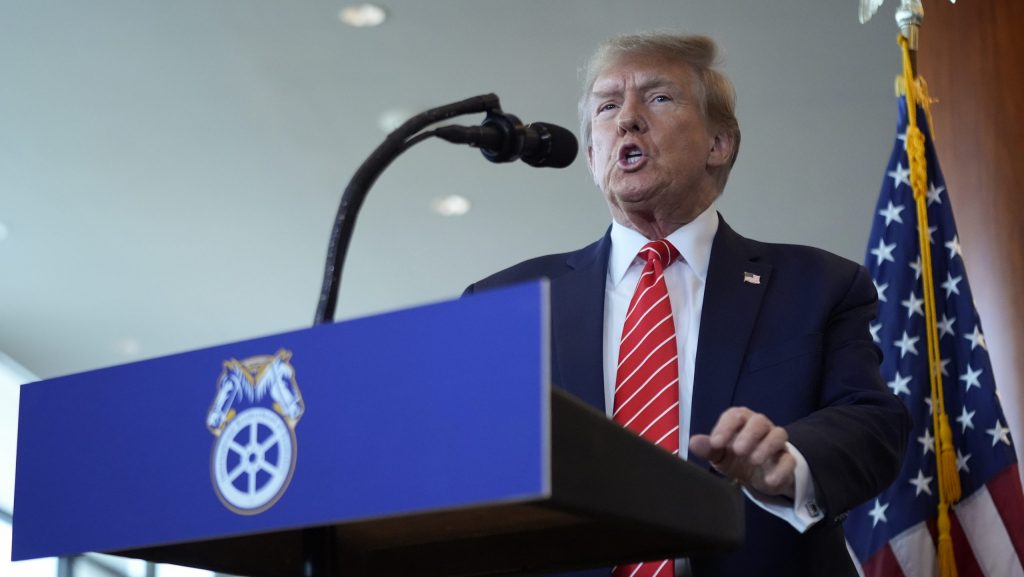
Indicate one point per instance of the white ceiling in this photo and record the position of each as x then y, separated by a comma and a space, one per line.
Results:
169, 171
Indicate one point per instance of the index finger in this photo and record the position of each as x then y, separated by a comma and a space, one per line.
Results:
729, 424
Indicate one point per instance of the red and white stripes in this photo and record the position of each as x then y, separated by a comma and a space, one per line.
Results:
987, 531
647, 378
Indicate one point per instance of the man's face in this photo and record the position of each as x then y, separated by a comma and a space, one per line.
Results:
652, 151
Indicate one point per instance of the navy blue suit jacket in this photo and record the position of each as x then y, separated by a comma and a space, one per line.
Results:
794, 346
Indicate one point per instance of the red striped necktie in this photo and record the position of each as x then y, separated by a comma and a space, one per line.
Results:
647, 378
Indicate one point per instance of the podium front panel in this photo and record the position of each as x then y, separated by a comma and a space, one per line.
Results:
357, 420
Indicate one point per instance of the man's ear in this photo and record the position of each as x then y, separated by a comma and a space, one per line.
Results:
722, 147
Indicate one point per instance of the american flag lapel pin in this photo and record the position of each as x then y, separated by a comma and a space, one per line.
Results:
749, 277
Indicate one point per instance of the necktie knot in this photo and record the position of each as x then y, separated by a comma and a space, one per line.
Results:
659, 250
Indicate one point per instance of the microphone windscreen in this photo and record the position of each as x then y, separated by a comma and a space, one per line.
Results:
559, 148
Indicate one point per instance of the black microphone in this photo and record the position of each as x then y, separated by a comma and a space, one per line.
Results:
503, 138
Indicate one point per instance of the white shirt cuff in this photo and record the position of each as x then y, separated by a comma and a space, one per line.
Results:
803, 511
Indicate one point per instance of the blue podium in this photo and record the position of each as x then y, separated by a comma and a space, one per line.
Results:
424, 442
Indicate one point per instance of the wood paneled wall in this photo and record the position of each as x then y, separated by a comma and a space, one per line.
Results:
972, 56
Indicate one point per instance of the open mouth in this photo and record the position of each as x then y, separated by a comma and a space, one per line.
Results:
630, 156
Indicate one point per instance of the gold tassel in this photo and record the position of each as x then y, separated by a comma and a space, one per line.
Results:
947, 565
947, 467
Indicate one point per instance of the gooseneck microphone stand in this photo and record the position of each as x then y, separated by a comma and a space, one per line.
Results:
400, 140
323, 554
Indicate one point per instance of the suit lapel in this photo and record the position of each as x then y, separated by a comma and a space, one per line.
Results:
731, 305
577, 308
735, 286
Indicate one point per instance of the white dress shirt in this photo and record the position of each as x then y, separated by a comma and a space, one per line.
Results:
685, 279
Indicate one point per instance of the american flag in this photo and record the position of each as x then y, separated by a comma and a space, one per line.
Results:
895, 534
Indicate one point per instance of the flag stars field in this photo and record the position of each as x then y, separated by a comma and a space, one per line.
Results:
916, 266
945, 326
907, 344
900, 175
880, 289
954, 248
914, 305
966, 419
950, 285
999, 433
927, 440
961, 461
892, 213
970, 378
977, 339
883, 252
899, 384
935, 193
878, 513
921, 483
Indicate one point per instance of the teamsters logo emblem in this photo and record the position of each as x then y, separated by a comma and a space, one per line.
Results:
253, 418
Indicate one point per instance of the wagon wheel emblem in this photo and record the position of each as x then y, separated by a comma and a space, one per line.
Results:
253, 459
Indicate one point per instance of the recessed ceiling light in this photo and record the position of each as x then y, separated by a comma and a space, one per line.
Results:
392, 118
451, 205
363, 15
128, 347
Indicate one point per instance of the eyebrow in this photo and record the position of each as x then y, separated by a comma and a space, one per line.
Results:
645, 85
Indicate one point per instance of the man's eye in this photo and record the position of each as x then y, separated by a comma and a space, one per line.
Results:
662, 98
606, 106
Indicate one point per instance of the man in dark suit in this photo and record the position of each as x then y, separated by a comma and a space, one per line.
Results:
772, 376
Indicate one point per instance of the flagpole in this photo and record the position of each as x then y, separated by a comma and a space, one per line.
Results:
909, 17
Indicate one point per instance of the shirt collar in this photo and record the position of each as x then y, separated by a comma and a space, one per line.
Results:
693, 240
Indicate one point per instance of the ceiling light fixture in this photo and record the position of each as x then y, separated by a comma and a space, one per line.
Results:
128, 347
392, 118
451, 205
363, 15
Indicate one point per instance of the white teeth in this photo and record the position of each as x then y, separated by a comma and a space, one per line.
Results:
633, 157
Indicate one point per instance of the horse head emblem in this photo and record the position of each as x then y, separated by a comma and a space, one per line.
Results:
249, 381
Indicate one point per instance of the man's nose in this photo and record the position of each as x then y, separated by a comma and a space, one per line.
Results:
631, 119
